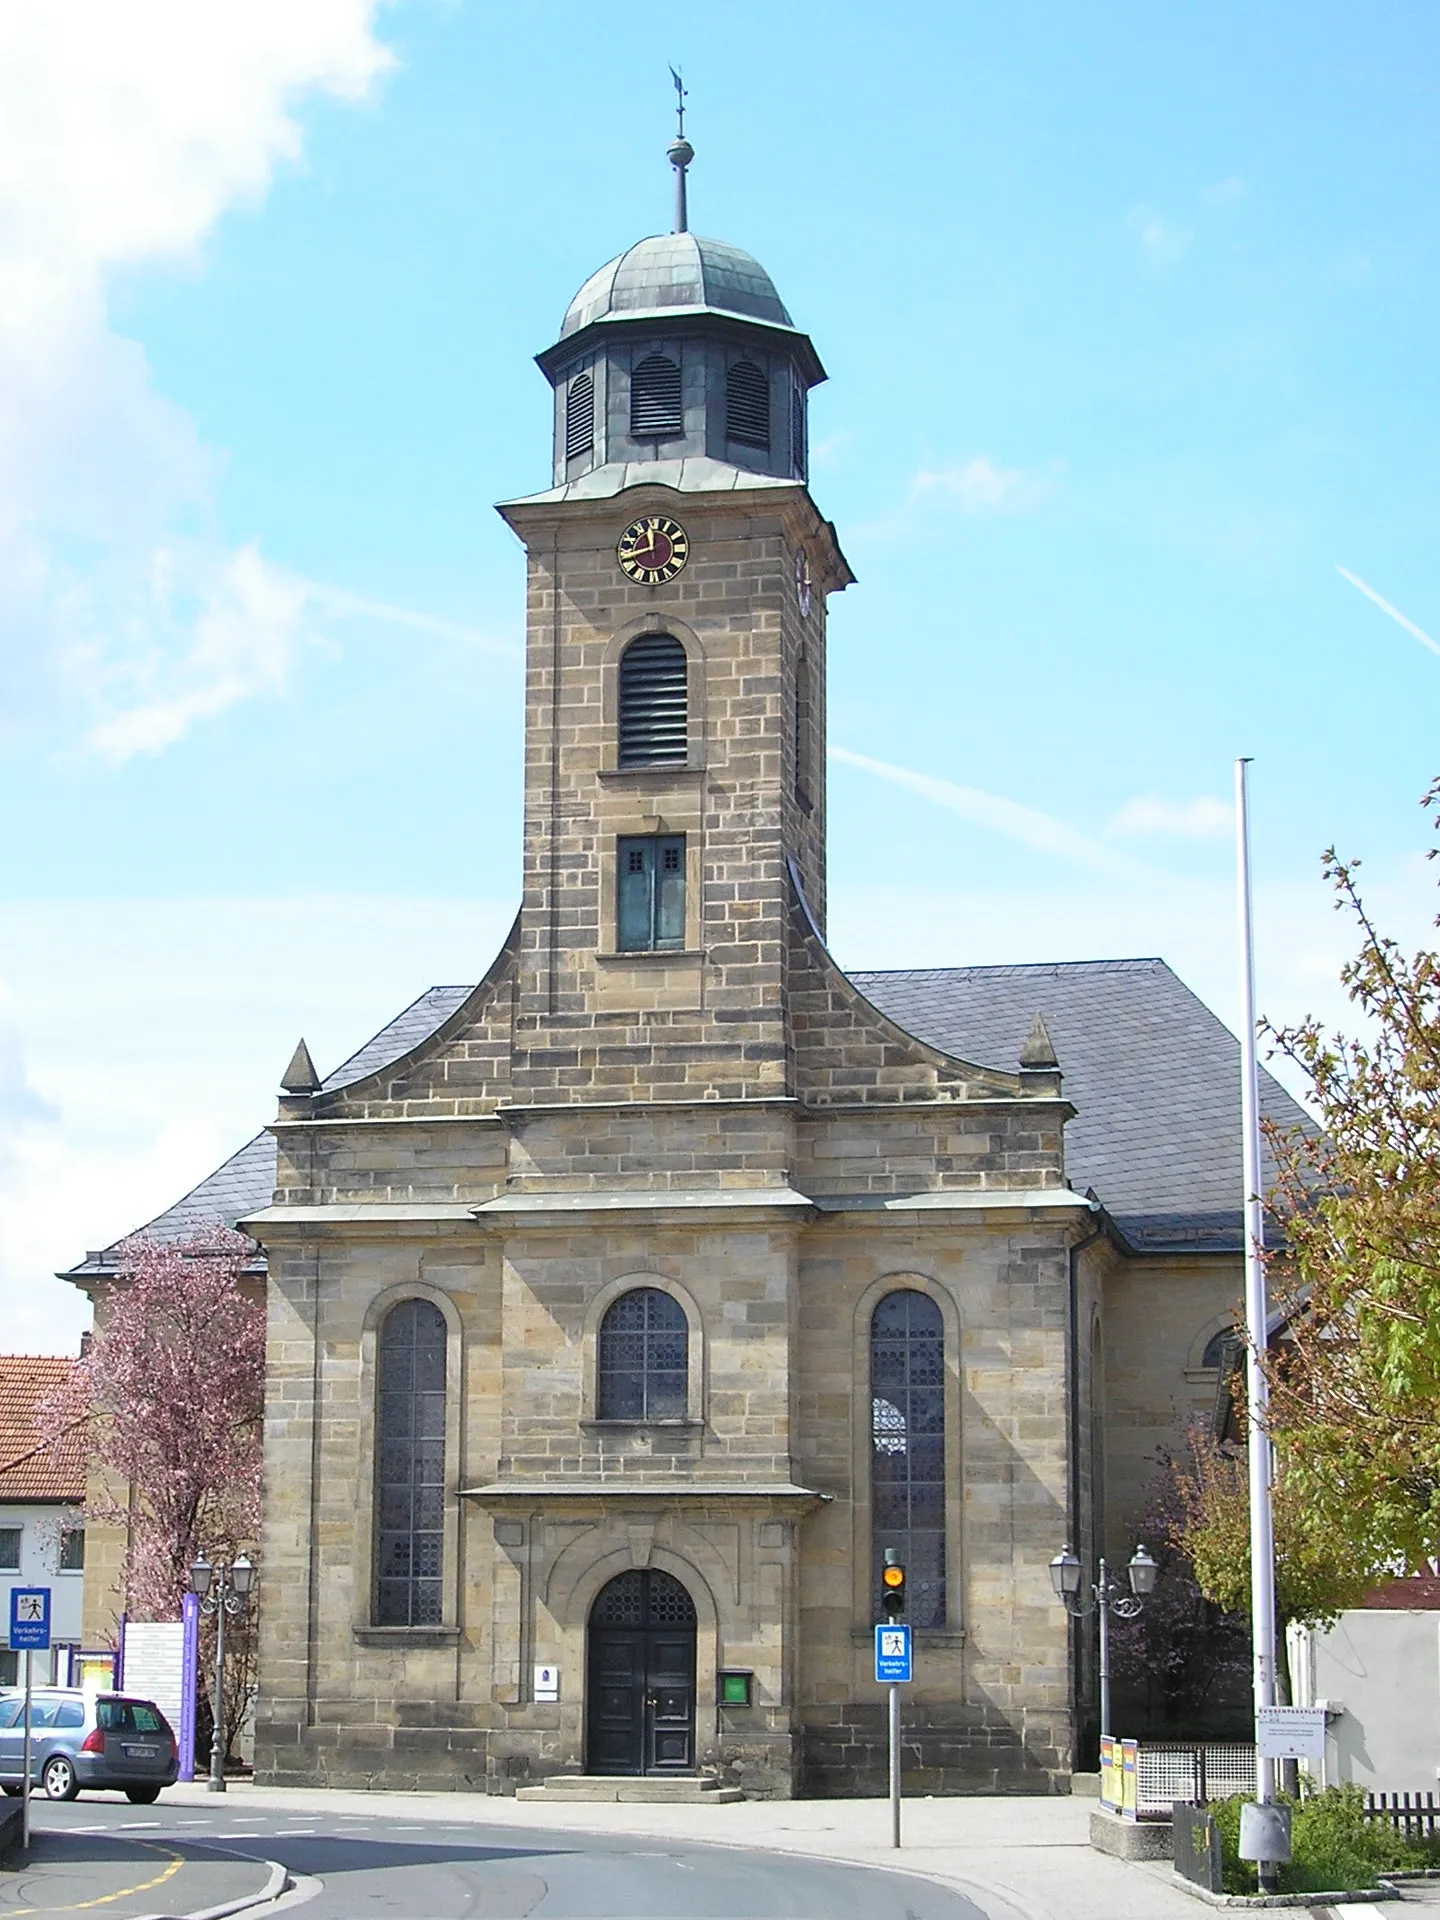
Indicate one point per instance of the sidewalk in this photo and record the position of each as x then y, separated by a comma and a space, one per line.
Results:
1018, 1859
127, 1878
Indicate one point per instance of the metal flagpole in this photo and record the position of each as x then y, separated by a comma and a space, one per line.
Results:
1257, 1394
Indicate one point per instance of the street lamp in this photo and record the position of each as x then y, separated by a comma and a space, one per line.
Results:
1108, 1596
221, 1590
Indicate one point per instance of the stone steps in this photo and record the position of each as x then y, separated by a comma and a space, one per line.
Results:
688, 1791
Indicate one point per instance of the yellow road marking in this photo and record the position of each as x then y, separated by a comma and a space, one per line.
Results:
177, 1860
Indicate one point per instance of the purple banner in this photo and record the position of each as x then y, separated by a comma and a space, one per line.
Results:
189, 1677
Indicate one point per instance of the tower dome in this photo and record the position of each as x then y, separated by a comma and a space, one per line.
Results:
677, 272
679, 360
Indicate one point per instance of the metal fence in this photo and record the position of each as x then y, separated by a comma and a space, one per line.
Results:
1416, 1815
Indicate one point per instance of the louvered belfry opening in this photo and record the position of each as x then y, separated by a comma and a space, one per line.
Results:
654, 716
580, 416
747, 406
655, 410
797, 429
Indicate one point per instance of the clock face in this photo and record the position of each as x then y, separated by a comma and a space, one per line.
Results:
653, 549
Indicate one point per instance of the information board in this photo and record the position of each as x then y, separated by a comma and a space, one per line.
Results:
1290, 1733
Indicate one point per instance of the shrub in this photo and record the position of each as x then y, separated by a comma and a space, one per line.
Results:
1333, 1846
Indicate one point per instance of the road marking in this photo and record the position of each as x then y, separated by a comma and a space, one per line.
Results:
103, 1900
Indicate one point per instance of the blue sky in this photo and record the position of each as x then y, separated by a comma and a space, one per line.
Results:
1129, 318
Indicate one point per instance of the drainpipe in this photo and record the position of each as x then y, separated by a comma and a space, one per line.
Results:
1073, 1341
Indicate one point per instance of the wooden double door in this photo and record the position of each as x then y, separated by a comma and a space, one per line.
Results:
640, 1691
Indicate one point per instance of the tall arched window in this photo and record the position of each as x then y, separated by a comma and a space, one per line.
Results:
579, 416
642, 1365
410, 1466
655, 412
747, 405
907, 1449
654, 716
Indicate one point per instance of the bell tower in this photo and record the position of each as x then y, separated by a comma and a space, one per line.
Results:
678, 573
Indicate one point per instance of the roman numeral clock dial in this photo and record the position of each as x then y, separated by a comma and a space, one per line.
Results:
652, 550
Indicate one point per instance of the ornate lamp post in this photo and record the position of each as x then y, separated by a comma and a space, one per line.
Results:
1108, 1596
221, 1590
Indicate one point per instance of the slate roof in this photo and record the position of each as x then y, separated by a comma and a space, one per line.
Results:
29, 1470
1154, 1075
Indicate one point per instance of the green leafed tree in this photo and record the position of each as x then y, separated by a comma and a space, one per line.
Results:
1355, 1377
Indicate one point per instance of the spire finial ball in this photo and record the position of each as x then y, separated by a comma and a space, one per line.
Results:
680, 152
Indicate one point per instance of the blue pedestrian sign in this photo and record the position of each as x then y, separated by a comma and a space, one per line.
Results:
892, 1655
30, 1619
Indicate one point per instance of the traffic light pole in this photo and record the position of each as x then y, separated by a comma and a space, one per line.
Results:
894, 1766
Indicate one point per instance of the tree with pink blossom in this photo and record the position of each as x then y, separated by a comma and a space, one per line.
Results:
172, 1391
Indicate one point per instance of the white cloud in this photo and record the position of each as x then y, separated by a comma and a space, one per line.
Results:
1224, 193
1205, 818
979, 486
155, 1033
125, 133
1163, 241
1040, 831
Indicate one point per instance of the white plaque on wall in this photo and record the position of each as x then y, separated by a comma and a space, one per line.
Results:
547, 1683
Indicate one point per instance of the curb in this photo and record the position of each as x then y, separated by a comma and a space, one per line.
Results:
276, 1882
1337, 1897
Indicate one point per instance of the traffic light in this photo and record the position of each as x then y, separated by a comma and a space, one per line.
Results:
892, 1585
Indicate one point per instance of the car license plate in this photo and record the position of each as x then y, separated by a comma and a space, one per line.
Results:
141, 1753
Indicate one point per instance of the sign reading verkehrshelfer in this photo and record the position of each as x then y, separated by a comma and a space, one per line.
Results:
30, 1619
1290, 1733
892, 1655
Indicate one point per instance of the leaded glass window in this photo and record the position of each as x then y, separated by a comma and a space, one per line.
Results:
410, 1466
642, 1366
907, 1450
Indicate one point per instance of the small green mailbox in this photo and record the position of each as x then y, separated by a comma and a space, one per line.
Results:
735, 1686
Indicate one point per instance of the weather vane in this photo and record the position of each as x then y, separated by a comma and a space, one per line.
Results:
681, 154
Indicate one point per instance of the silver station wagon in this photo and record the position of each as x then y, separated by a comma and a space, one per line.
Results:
86, 1740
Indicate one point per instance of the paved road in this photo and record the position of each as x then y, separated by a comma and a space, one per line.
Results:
355, 1866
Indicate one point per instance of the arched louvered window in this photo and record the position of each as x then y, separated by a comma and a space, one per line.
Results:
410, 1466
747, 406
579, 416
655, 412
654, 716
798, 453
907, 1450
642, 1364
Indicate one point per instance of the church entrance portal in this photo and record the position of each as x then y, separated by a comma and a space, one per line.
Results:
640, 1691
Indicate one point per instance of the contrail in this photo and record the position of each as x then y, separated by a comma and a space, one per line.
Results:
1026, 824
1394, 612
354, 606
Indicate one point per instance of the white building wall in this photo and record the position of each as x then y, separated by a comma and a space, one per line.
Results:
1381, 1669
41, 1524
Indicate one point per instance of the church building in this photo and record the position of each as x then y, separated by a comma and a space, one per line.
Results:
626, 1307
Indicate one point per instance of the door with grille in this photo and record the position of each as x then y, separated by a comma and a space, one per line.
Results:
640, 1693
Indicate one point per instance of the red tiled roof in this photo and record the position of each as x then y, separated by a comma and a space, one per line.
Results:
1418, 1592
29, 1469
